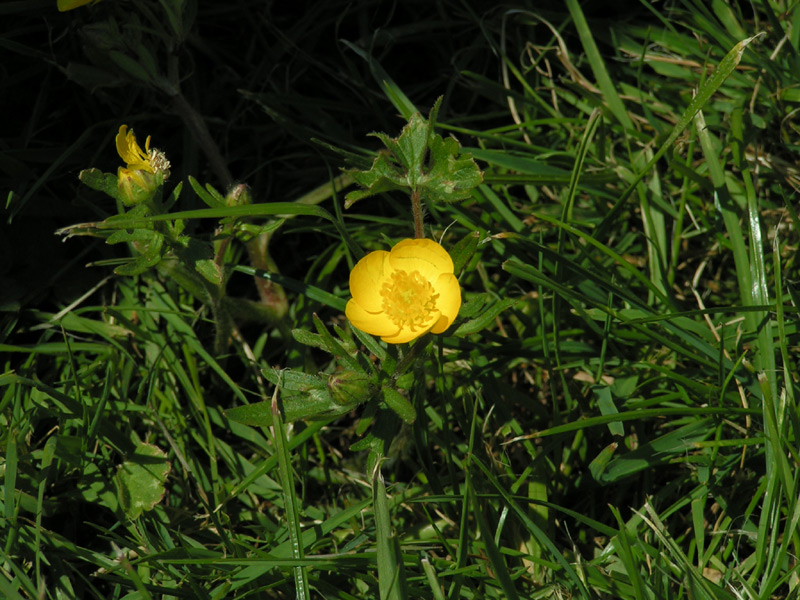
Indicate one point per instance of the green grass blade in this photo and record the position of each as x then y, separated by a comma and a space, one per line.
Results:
393, 92
290, 500
630, 555
498, 565
433, 580
708, 89
577, 169
10, 506
526, 521
47, 459
730, 213
391, 573
689, 574
609, 91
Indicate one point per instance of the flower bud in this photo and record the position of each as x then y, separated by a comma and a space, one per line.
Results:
238, 196
145, 169
350, 388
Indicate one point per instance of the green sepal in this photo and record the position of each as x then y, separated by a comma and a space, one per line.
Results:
351, 388
138, 186
239, 195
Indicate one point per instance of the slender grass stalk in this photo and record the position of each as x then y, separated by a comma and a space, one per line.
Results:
391, 573
291, 503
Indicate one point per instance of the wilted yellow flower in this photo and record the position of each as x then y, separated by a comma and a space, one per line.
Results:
403, 294
144, 172
130, 151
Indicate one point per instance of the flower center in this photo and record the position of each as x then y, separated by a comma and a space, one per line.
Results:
408, 299
158, 162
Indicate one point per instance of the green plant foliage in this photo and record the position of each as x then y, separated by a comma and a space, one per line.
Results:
419, 160
185, 410
140, 480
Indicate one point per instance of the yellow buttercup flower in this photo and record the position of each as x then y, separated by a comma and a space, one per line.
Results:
144, 171
403, 294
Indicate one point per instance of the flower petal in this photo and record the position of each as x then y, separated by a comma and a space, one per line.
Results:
448, 302
422, 255
366, 280
374, 323
122, 144
130, 152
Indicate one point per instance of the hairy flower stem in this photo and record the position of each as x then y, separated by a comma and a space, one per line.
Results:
271, 294
208, 293
416, 210
409, 358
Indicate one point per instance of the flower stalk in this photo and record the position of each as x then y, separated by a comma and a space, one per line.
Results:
416, 211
